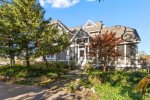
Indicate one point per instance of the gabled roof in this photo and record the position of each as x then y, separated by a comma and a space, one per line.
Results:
89, 23
121, 31
125, 32
58, 22
97, 26
77, 32
75, 28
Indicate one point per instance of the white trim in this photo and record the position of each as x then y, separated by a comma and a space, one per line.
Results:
61, 25
51, 57
92, 32
125, 54
89, 21
62, 60
78, 32
136, 56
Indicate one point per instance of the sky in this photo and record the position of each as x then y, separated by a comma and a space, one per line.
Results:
131, 13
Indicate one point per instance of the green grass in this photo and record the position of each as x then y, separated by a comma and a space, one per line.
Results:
107, 92
118, 85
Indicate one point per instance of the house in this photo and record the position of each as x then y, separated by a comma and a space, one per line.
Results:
80, 37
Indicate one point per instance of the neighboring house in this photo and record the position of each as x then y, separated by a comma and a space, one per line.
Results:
80, 37
144, 61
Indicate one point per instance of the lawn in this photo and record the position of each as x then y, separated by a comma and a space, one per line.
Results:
37, 74
118, 85
111, 85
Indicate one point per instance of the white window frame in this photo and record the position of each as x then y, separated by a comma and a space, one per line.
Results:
51, 57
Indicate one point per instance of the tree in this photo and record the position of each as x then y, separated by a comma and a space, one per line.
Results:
50, 40
8, 33
105, 45
26, 17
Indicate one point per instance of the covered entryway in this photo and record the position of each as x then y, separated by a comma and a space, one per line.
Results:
79, 48
81, 55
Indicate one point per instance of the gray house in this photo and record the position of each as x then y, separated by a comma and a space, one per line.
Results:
80, 37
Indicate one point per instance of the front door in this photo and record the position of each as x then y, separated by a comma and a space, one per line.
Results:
81, 55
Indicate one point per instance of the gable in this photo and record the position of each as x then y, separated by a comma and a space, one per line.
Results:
62, 28
89, 24
80, 34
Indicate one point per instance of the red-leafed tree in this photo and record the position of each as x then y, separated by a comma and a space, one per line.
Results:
105, 45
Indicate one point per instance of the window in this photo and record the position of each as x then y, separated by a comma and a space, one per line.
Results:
50, 57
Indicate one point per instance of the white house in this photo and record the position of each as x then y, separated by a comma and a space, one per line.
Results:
80, 37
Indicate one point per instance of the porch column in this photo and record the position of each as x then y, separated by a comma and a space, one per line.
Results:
97, 60
115, 57
75, 46
78, 52
68, 55
88, 49
125, 55
85, 52
136, 56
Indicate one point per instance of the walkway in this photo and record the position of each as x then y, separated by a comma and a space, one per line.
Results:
21, 92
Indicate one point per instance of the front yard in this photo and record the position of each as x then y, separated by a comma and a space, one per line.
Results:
111, 85
37, 74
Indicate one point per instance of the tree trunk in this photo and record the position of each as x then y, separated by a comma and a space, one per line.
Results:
12, 55
45, 60
104, 68
27, 57
12, 60
105, 64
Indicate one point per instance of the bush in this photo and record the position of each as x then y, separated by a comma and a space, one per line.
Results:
59, 64
33, 71
56, 64
72, 65
107, 92
116, 85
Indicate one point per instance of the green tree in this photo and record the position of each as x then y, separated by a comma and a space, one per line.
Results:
51, 40
26, 17
8, 33
29, 16
24, 32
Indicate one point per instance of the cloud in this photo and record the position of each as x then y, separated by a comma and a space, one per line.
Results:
42, 2
59, 3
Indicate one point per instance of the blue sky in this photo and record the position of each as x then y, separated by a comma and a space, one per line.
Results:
131, 13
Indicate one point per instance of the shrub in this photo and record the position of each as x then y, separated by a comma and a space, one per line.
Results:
143, 85
86, 66
59, 64
32, 71
72, 65
107, 92
116, 85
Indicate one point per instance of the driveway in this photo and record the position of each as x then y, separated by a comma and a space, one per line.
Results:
21, 92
